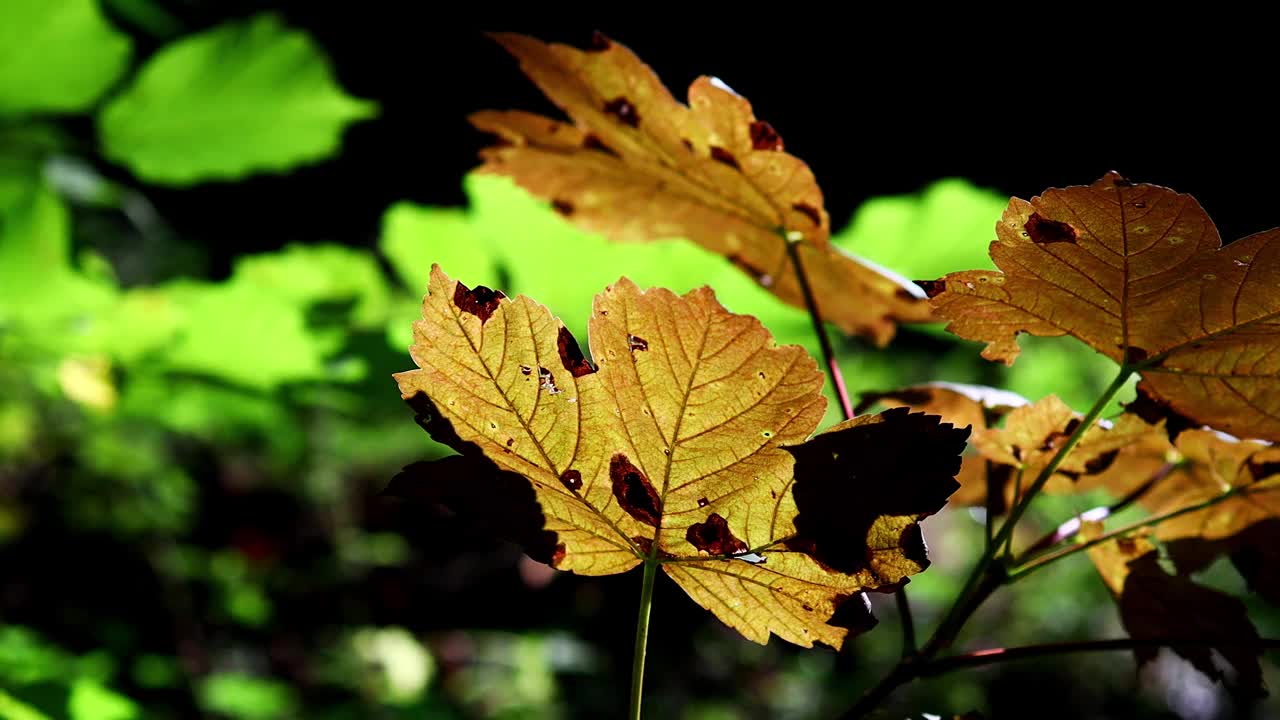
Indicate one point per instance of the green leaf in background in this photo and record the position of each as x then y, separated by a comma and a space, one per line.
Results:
926, 235
57, 55
43, 294
245, 697
515, 242
12, 708
91, 701
240, 98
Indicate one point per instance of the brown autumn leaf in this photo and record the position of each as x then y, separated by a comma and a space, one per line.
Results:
974, 406
1210, 464
1139, 273
636, 164
1155, 606
678, 446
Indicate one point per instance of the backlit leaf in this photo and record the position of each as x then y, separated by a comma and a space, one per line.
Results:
240, 98
1139, 273
57, 55
685, 443
1155, 605
637, 165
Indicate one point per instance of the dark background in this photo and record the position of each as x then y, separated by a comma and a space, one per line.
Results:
878, 103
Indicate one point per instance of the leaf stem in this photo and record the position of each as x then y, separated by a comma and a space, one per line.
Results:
908, 624
820, 330
990, 656
1021, 504
1037, 563
642, 637
987, 574
846, 407
1070, 528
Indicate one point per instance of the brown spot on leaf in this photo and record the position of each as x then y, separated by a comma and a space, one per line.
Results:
572, 479
557, 555
714, 537
808, 211
1260, 469
1135, 355
511, 441
622, 109
932, 288
646, 546
703, 502
1152, 409
1102, 462
591, 141
571, 356
637, 343
633, 491
599, 42
481, 302
525, 369
687, 145
721, 155
564, 207
1044, 231
764, 137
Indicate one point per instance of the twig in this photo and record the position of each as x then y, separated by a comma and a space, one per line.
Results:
1070, 528
1037, 563
987, 575
990, 656
846, 407
820, 330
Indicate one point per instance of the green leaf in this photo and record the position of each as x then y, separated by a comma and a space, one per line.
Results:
241, 98
11, 708
926, 235
43, 294
237, 332
246, 697
57, 55
515, 242
91, 701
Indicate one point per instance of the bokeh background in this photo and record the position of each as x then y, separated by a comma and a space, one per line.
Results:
216, 223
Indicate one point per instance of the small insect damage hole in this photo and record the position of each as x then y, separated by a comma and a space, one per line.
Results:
548, 381
622, 109
637, 343
564, 207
